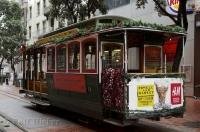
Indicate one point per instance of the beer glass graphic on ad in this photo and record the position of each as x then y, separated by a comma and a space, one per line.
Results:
161, 88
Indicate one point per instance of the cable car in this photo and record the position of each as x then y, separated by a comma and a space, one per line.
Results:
109, 68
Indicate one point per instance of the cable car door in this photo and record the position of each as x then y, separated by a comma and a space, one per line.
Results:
112, 74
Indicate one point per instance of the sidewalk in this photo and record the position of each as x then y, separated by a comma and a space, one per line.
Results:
190, 122
6, 124
11, 89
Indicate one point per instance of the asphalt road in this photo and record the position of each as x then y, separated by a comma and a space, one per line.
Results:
28, 117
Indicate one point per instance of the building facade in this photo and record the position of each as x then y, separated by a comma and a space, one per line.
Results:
36, 22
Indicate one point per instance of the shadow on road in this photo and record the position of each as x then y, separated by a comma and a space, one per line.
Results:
96, 125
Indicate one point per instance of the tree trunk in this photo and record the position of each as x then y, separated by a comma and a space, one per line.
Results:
182, 22
1, 62
179, 53
164, 11
88, 15
13, 69
184, 15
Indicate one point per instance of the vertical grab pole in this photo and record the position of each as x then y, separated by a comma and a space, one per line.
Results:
40, 71
165, 63
23, 68
125, 51
183, 56
29, 70
55, 58
126, 89
99, 50
81, 59
183, 50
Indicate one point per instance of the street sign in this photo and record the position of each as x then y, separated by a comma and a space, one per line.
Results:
197, 5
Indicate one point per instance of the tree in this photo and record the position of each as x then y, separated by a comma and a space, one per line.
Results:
91, 6
179, 20
12, 32
74, 10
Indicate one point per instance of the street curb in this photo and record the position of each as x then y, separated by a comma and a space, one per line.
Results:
13, 96
13, 121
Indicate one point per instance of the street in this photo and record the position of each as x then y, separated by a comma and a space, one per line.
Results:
99, 65
31, 118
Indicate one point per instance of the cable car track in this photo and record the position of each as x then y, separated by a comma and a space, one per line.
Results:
9, 119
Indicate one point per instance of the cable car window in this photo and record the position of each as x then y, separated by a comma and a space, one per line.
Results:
133, 59
89, 56
74, 57
105, 21
153, 59
112, 55
61, 58
51, 59
169, 53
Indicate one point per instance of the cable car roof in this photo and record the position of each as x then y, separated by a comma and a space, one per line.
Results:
103, 24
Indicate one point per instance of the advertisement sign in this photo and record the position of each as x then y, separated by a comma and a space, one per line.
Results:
173, 5
176, 93
68, 33
151, 94
197, 5
145, 95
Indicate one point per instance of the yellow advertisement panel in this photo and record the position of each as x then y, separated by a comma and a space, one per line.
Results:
145, 94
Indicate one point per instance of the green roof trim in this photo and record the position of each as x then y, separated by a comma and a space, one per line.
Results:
140, 24
100, 27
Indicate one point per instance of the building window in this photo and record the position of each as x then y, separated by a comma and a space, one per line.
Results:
30, 12
89, 56
29, 32
44, 26
51, 59
74, 57
61, 58
116, 3
44, 4
52, 23
38, 8
38, 28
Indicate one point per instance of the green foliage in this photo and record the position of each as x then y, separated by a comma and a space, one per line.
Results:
125, 24
65, 9
141, 3
74, 10
158, 4
12, 32
140, 24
